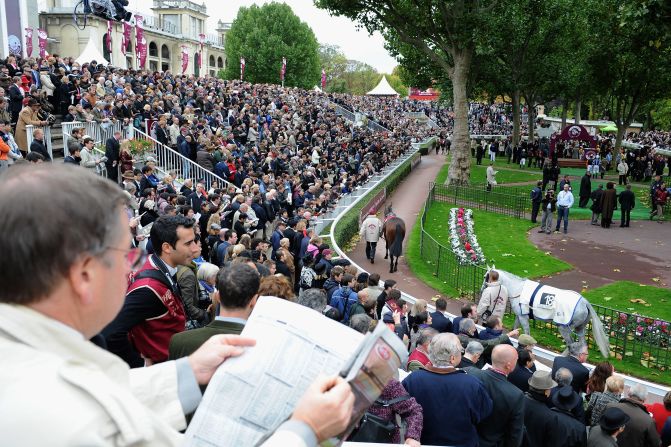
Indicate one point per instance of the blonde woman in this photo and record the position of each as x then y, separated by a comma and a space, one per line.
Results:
245, 241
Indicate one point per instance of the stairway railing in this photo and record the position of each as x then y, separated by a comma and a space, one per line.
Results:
47, 137
171, 160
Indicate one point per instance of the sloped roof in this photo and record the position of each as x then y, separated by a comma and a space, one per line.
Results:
92, 51
383, 88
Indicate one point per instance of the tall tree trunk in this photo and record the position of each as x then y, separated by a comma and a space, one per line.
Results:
516, 117
620, 135
460, 166
531, 120
564, 113
578, 106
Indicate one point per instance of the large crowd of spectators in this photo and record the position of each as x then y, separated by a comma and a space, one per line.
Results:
200, 255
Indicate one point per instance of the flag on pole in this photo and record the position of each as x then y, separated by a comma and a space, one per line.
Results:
323, 79
185, 58
42, 42
242, 68
125, 37
29, 42
201, 37
109, 36
284, 68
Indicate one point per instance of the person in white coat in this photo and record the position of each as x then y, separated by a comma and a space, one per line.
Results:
58, 389
371, 230
491, 176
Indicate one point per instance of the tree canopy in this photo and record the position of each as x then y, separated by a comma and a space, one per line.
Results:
263, 35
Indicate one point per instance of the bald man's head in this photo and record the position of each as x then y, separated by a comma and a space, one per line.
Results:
504, 358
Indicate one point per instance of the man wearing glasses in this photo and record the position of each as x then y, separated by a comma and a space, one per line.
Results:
578, 354
61, 284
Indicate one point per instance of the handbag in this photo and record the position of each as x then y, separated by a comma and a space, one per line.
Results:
488, 313
373, 428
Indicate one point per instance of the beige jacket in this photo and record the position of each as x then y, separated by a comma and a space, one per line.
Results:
371, 229
489, 301
58, 389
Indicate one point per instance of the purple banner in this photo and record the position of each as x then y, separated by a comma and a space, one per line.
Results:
29, 42
42, 42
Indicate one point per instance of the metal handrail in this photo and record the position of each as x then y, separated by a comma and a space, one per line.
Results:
47, 137
93, 129
172, 160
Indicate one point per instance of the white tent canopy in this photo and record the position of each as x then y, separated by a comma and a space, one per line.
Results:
383, 89
92, 51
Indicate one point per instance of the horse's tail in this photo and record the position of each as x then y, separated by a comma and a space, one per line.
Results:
598, 332
397, 246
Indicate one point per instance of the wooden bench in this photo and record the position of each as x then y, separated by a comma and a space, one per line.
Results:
572, 163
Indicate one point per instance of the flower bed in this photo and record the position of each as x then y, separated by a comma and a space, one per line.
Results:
462, 238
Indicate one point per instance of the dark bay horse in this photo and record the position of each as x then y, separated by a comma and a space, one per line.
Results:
394, 233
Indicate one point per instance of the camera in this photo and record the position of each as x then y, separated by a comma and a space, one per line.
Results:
108, 9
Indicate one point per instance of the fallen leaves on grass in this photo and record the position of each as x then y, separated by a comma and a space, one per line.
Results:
616, 270
607, 298
638, 301
655, 279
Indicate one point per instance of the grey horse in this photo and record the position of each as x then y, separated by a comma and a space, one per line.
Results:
583, 314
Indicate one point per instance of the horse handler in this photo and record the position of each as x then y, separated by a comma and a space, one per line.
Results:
494, 299
370, 231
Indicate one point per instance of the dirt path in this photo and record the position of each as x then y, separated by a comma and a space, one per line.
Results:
407, 203
601, 256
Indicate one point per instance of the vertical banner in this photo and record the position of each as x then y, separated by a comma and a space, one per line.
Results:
242, 68
140, 41
201, 56
323, 79
109, 36
125, 38
283, 70
29, 42
13, 23
185, 58
42, 41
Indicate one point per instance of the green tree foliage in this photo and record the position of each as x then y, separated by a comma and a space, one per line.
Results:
265, 34
637, 69
335, 63
360, 78
437, 35
396, 82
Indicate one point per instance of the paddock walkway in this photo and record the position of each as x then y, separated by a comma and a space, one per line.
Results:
407, 201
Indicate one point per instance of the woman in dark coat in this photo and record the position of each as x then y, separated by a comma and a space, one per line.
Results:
608, 204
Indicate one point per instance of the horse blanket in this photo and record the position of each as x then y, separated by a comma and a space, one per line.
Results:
542, 302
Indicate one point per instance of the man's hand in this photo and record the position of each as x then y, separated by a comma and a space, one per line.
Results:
213, 352
397, 317
326, 407
514, 333
412, 442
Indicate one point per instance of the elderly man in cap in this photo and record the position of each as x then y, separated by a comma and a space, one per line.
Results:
611, 424
539, 420
573, 433
371, 230
641, 430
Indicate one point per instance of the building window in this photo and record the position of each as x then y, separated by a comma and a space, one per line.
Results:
212, 63
220, 62
165, 66
165, 52
153, 65
129, 62
153, 49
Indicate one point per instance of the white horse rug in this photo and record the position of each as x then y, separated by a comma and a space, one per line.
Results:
542, 302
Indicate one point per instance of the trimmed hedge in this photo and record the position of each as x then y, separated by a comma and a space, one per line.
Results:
348, 226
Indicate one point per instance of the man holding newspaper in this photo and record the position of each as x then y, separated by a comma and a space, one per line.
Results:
75, 391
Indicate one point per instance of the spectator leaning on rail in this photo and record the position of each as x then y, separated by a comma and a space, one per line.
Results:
48, 313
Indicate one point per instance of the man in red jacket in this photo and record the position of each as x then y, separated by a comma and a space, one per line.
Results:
153, 310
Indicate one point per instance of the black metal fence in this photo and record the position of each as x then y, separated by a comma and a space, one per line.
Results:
479, 198
634, 339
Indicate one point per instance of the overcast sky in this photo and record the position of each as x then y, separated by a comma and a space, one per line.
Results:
339, 31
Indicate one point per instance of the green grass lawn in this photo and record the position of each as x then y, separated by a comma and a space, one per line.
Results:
505, 174
507, 246
618, 295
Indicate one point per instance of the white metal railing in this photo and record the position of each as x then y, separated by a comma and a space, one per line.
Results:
47, 137
541, 353
171, 160
99, 133
340, 110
